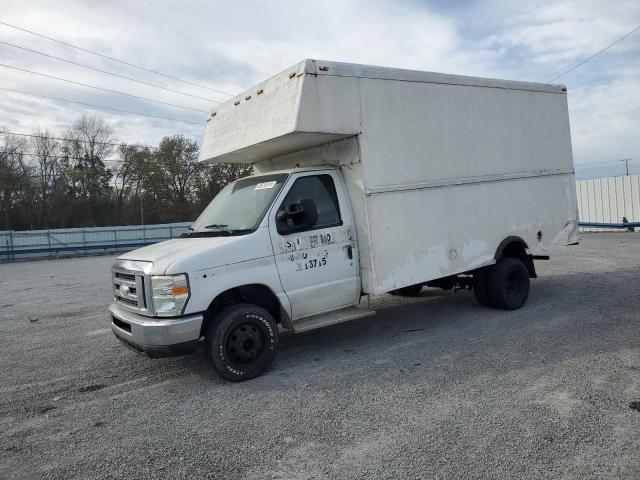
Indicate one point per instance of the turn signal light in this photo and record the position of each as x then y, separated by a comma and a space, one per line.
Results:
175, 291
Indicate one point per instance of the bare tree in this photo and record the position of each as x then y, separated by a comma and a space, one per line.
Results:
89, 140
90, 137
14, 175
46, 169
129, 176
84, 181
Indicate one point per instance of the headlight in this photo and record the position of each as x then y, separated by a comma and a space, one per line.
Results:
170, 294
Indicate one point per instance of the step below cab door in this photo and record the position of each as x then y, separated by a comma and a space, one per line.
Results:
317, 258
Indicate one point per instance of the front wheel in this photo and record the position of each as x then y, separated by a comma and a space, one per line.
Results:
508, 284
243, 342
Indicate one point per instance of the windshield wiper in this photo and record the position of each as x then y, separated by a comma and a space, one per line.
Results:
215, 230
221, 227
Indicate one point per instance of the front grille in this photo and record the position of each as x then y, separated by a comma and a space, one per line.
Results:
128, 290
133, 303
126, 276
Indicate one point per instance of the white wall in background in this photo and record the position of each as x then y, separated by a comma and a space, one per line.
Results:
609, 199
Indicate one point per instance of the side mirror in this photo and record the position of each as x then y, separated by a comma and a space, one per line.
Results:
303, 215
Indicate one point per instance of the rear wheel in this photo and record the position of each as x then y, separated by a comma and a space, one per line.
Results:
481, 286
410, 291
508, 284
243, 342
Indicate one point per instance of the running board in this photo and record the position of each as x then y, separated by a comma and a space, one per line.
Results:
331, 318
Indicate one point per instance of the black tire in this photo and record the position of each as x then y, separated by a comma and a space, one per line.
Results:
509, 284
481, 286
410, 291
243, 342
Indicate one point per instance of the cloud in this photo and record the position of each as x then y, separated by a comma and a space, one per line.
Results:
604, 94
605, 121
231, 46
555, 35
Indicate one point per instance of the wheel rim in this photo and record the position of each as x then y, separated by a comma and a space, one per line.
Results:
245, 343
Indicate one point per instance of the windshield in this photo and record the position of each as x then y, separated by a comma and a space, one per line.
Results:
240, 206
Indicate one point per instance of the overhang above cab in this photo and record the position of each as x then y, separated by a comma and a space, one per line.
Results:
291, 111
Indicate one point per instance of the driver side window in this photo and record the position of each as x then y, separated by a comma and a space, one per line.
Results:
322, 191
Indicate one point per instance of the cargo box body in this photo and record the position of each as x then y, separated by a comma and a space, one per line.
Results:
439, 169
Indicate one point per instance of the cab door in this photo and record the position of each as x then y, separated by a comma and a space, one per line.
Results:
317, 264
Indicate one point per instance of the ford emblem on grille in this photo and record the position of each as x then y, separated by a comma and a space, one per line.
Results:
124, 290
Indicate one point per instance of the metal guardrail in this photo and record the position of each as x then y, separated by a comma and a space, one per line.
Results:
77, 248
42, 244
627, 225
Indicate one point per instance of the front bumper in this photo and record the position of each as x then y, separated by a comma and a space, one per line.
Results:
158, 337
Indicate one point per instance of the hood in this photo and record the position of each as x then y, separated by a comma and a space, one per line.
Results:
182, 255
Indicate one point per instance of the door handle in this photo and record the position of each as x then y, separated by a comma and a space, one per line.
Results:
350, 252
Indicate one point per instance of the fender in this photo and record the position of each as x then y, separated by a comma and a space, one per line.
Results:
507, 241
516, 247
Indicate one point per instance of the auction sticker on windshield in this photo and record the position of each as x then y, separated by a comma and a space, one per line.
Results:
265, 185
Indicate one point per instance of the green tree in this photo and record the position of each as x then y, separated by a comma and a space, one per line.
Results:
88, 143
213, 177
175, 169
83, 181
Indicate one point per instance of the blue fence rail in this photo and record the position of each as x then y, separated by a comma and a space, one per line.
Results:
623, 226
39, 244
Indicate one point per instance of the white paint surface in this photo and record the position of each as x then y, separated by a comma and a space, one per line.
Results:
432, 173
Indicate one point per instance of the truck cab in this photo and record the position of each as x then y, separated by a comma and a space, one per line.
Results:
283, 241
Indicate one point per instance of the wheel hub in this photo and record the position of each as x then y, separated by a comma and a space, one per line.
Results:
244, 344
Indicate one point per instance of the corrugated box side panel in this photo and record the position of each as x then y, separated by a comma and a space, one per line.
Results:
450, 171
444, 231
443, 132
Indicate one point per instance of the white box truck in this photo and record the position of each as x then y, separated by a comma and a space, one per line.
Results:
367, 180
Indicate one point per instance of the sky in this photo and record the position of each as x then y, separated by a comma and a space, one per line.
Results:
231, 46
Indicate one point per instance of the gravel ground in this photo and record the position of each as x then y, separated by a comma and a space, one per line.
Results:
433, 387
